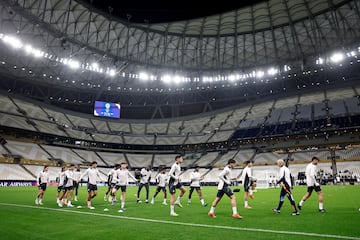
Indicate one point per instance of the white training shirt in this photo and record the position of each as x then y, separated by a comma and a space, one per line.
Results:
43, 177
77, 175
225, 177
310, 173
246, 174
175, 172
122, 176
284, 173
69, 176
145, 175
61, 178
195, 178
113, 176
93, 175
161, 179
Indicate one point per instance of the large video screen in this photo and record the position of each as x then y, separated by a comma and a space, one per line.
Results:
107, 109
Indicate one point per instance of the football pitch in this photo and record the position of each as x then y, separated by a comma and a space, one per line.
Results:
22, 219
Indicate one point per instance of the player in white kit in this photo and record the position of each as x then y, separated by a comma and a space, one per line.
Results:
312, 184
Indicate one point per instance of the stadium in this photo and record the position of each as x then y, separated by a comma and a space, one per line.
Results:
142, 83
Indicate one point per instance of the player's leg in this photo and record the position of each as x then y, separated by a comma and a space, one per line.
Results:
306, 196
172, 205
219, 195
138, 192
246, 195
182, 192
199, 192
232, 196
122, 198
281, 200
70, 196
94, 193
165, 196
109, 190
190, 194
147, 192
320, 198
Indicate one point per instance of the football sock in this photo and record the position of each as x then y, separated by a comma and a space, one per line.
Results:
234, 209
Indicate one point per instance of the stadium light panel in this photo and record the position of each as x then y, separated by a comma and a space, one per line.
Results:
337, 57
260, 74
272, 71
320, 61
12, 41
166, 78
73, 64
28, 49
143, 76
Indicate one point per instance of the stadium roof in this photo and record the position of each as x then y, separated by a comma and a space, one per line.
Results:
268, 33
160, 11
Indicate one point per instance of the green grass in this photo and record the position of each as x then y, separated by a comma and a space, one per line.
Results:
25, 220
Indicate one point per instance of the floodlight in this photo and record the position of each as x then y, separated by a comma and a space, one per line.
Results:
319, 61
177, 79
260, 74
28, 49
272, 71
37, 53
12, 41
337, 57
111, 72
166, 78
143, 76
73, 64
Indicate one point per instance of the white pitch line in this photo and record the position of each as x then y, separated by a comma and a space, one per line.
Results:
185, 223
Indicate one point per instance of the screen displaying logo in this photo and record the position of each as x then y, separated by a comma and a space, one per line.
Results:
107, 109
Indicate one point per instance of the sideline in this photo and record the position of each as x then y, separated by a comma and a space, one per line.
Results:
184, 223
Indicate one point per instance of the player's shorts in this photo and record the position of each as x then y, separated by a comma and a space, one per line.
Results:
75, 184
122, 188
68, 188
172, 188
314, 187
60, 188
225, 190
158, 189
247, 184
112, 185
91, 187
196, 188
42, 186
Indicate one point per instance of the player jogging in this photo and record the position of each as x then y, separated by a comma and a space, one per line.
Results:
174, 183
145, 174
248, 181
313, 184
122, 176
223, 188
195, 178
112, 180
42, 181
93, 175
161, 179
